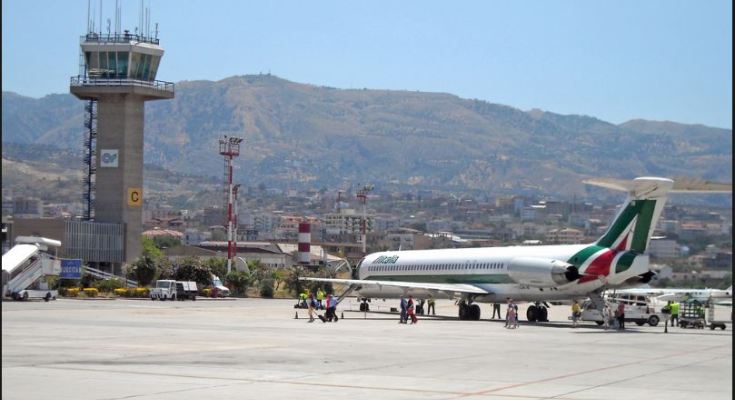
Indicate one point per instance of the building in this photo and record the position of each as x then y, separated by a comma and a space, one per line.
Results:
116, 77
564, 236
660, 247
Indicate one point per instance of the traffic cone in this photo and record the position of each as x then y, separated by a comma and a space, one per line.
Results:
297, 315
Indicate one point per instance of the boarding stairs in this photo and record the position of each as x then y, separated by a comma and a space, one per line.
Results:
30, 274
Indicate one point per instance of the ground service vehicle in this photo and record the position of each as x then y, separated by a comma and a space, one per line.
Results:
186, 290
638, 310
26, 267
164, 290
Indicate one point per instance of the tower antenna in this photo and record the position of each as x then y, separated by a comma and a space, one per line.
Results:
88, 7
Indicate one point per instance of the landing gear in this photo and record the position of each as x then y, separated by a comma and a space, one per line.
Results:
469, 312
537, 313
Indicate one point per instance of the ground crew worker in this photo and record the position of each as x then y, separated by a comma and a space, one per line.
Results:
320, 298
431, 306
302, 298
496, 308
576, 313
674, 313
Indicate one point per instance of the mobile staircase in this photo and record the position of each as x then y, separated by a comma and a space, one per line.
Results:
25, 264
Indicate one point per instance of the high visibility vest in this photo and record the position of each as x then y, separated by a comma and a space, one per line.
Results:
675, 308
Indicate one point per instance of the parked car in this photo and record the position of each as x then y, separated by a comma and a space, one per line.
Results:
218, 289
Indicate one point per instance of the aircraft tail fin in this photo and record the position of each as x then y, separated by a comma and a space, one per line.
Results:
634, 223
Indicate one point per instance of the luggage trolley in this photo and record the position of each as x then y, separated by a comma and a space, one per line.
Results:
691, 315
713, 323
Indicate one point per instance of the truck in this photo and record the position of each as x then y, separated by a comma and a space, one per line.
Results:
168, 289
165, 289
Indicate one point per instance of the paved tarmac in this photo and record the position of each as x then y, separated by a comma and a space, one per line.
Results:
256, 349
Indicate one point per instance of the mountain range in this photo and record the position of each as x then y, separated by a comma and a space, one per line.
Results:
300, 136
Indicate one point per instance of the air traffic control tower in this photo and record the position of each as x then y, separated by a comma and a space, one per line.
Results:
117, 76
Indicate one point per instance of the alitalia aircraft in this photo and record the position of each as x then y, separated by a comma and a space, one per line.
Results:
528, 273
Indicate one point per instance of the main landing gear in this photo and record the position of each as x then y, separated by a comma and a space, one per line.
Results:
537, 313
468, 311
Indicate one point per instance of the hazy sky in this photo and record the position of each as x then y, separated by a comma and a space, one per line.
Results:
615, 60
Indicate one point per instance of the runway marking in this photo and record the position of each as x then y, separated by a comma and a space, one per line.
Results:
484, 392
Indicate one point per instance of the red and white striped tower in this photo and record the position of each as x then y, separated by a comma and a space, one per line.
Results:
304, 243
234, 220
229, 148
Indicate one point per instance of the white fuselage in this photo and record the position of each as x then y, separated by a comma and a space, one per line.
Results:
487, 268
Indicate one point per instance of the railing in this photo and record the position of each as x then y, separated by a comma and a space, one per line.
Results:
106, 275
29, 275
118, 38
156, 85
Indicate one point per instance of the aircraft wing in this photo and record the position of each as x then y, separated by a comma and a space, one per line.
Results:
444, 287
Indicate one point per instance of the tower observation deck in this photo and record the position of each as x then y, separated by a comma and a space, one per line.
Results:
118, 73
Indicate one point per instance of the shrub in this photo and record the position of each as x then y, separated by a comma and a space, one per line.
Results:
239, 281
72, 292
266, 288
142, 292
121, 291
207, 292
91, 292
110, 284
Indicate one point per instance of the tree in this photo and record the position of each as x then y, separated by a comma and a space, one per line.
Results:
143, 269
292, 282
192, 269
149, 248
239, 281
166, 242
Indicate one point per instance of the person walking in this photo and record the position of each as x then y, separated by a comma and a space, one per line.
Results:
606, 316
332, 305
404, 311
576, 313
431, 304
411, 310
512, 317
320, 298
507, 310
620, 315
496, 309
311, 302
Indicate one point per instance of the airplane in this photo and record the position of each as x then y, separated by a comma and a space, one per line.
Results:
527, 273
666, 294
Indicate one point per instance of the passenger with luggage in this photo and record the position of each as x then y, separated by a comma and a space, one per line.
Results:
404, 311
411, 311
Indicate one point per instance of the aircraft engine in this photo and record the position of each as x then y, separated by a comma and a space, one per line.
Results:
541, 272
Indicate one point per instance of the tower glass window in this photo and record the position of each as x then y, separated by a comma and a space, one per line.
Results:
122, 64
